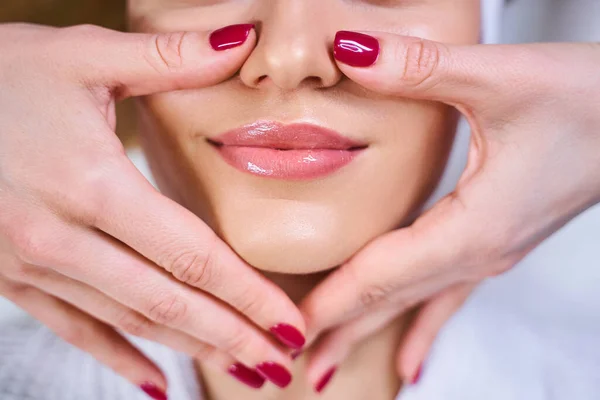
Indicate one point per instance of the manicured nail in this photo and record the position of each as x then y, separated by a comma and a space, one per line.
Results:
246, 375
417, 376
320, 386
153, 391
230, 36
275, 373
296, 353
355, 49
288, 335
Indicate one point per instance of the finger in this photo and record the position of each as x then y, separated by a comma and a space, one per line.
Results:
135, 64
422, 332
419, 68
102, 262
336, 346
403, 267
178, 241
88, 334
105, 309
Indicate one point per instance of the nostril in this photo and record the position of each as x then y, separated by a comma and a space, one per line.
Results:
261, 79
314, 81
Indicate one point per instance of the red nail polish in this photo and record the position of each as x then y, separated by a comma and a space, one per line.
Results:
288, 335
246, 375
153, 391
417, 375
325, 380
355, 49
230, 36
275, 373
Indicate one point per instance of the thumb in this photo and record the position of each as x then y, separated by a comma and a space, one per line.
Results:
136, 64
423, 69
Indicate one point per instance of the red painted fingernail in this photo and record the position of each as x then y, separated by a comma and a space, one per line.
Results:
246, 375
325, 380
275, 373
288, 335
296, 353
355, 49
230, 36
417, 375
153, 391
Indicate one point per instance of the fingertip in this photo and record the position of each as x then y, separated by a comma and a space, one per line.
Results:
230, 36
288, 335
355, 49
154, 391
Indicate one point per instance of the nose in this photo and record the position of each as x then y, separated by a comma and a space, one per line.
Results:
294, 47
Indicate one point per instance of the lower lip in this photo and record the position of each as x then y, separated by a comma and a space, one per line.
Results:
286, 164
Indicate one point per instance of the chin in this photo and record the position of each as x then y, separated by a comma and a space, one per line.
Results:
296, 239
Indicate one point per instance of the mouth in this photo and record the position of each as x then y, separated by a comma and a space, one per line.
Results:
294, 151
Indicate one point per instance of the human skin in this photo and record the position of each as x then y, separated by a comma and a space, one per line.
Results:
87, 245
290, 226
532, 167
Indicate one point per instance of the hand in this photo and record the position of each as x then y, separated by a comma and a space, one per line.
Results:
533, 166
86, 243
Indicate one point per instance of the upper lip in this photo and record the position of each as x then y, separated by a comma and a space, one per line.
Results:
295, 136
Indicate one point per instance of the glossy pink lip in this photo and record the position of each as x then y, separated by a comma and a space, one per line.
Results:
295, 151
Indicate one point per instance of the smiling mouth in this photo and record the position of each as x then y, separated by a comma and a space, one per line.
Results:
295, 151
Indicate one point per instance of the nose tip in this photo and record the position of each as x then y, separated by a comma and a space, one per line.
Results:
290, 57
290, 67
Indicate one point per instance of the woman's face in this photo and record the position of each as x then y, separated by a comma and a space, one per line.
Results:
293, 164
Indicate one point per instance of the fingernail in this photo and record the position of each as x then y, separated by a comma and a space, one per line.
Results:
153, 391
355, 49
417, 376
246, 375
275, 373
296, 353
320, 386
230, 36
288, 335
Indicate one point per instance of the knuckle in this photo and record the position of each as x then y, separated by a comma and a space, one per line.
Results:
422, 58
165, 54
21, 272
83, 30
168, 310
250, 305
32, 245
237, 341
134, 324
374, 293
203, 352
99, 180
194, 269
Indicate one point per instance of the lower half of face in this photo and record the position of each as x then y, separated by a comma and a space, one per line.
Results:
292, 164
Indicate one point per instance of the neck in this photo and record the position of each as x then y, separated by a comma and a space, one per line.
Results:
369, 372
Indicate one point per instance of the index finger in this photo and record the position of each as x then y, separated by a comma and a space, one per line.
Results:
181, 243
424, 69
137, 64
